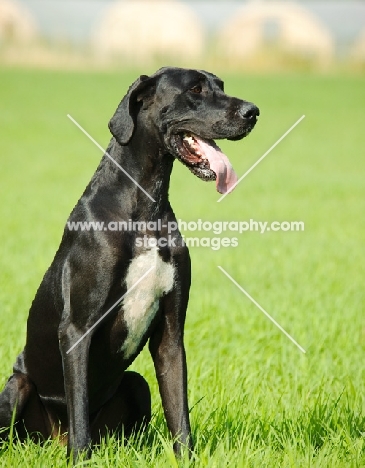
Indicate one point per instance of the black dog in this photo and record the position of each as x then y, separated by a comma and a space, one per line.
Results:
71, 376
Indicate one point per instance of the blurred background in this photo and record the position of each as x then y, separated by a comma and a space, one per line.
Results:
251, 34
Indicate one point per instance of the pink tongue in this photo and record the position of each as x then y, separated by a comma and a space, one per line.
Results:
219, 163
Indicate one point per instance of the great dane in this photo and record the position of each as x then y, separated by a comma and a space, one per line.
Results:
70, 380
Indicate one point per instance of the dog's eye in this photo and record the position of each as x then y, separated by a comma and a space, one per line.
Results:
196, 89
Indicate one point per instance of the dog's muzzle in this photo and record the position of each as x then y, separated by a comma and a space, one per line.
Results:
202, 155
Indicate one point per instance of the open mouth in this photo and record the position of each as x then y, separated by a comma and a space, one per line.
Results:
205, 159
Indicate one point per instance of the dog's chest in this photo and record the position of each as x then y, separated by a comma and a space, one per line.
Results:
148, 278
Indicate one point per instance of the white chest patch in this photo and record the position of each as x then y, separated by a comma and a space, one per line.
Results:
141, 304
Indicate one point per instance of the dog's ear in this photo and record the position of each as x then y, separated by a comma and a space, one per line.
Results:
121, 124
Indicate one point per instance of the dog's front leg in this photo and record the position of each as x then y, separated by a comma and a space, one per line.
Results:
168, 353
75, 364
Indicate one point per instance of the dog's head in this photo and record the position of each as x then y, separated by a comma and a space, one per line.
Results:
188, 110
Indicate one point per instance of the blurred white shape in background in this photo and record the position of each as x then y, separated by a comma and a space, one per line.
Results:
142, 30
358, 50
287, 25
16, 23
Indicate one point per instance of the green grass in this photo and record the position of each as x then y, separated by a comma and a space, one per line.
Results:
256, 400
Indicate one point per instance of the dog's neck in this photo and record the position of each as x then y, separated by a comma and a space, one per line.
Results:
151, 172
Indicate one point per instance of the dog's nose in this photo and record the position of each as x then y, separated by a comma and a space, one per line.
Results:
249, 111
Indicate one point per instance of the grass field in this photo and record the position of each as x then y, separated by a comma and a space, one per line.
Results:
256, 400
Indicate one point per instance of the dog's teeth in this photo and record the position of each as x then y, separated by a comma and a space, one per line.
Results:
188, 138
